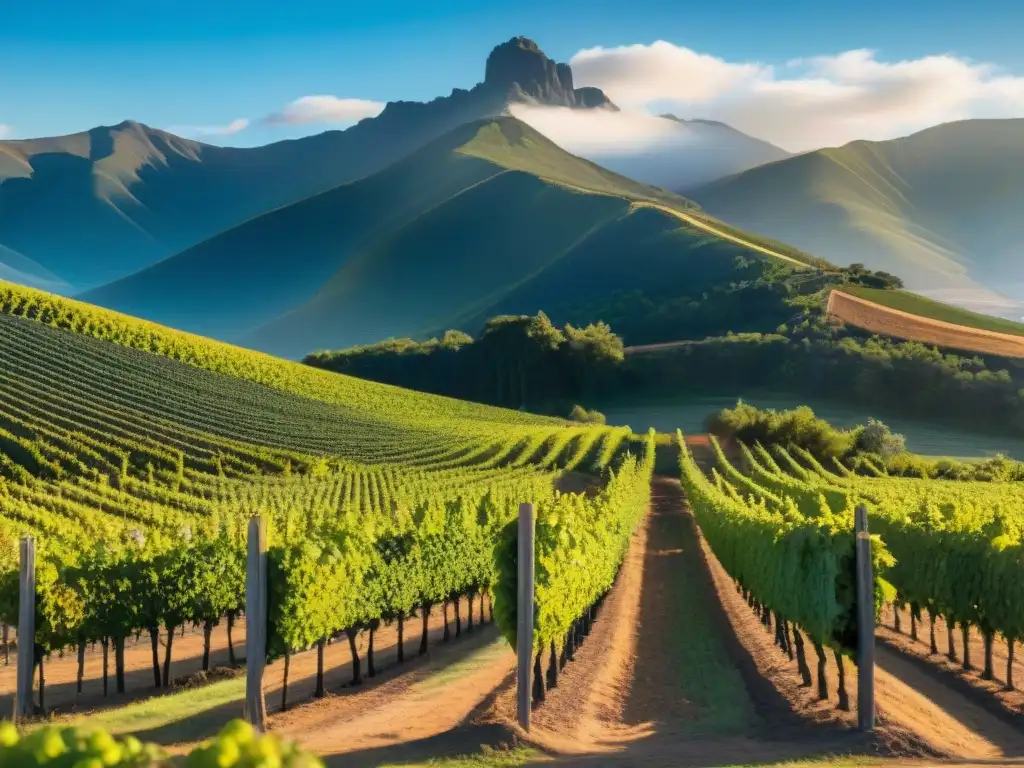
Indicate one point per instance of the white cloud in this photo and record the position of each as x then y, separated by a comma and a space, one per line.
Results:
599, 132
235, 126
803, 104
325, 109
5, 131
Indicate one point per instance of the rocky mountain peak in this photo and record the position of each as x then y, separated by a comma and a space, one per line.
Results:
521, 70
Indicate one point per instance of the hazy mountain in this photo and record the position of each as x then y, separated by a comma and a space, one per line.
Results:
492, 215
94, 206
941, 208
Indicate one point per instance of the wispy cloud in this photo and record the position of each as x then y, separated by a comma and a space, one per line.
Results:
235, 126
324, 109
5, 131
805, 103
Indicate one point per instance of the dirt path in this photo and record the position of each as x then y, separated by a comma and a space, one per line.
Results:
677, 670
946, 718
695, 222
662, 679
410, 716
1010, 701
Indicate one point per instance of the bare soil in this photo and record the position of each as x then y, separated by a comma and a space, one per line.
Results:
893, 322
992, 693
61, 671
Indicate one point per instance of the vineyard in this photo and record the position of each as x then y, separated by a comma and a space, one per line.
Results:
136, 455
781, 524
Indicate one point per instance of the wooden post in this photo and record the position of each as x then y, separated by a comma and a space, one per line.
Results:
26, 630
865, 625
255, 711
524, 615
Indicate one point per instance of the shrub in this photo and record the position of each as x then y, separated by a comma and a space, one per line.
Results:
877, 438
581, 414
798, 426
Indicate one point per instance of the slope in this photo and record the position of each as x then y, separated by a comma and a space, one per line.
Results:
286, 255
492, 210
160, 350
95, 206
939, 208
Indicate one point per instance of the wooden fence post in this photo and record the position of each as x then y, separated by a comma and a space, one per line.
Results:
865, 625
524, 615
23, 706
256, 623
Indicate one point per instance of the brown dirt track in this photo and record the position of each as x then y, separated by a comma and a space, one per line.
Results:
876, 318
625, 702
677, 671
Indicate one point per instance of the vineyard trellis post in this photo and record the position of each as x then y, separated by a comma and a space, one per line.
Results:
26, 629
865, 625
524, 615
256, 623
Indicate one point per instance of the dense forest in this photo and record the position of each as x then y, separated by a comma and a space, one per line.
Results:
529, 362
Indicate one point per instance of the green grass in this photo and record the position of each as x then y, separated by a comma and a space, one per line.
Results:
924, 307
174, 715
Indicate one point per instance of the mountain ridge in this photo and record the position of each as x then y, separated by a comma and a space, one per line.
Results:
936, 207
97, 205
491, 213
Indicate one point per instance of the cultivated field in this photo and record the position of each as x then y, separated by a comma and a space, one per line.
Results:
674, 620
887, 320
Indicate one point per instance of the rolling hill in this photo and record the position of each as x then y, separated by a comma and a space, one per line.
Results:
940, 208
95, 206
491, 217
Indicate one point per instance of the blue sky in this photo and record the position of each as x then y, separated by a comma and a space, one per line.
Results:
67, 66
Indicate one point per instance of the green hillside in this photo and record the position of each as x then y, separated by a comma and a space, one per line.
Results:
95, 206
169, 354
940, 208
493, 214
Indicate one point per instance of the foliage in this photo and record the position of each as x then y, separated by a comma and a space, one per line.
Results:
786, 545
798, 426
236, 746
517, 361
875, 437
579, 546
582, 415
858, 274
809, 359
957, 545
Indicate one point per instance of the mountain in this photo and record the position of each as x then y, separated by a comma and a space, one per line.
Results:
713, 150
95, 206
492, 216
941, 208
